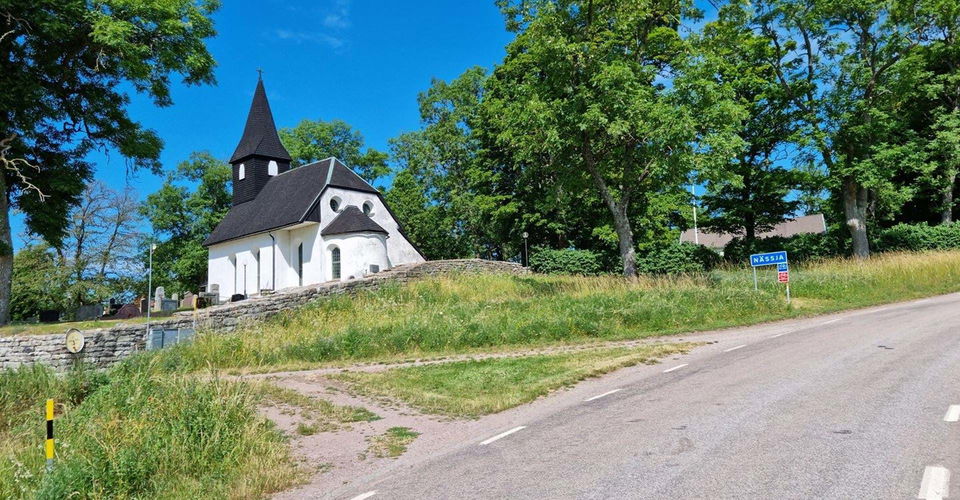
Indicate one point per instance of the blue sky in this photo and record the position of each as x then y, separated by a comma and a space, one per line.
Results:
361, 61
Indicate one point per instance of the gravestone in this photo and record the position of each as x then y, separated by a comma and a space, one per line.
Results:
188, 301
175, 296
144, 306
168, 305
49, 316
128, 311
158, 297
88, 312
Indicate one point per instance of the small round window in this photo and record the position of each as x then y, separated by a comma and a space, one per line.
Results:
368, 208
335, 204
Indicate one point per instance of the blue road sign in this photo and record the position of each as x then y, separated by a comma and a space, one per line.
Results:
768, 259
782, 268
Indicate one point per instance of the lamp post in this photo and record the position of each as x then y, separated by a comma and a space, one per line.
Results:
526, 256
696, 234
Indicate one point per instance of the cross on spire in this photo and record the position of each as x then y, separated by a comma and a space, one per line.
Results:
259, 73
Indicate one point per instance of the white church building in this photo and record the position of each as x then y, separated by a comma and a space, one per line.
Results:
298, 226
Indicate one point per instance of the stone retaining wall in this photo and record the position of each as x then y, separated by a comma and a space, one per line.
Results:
106, 346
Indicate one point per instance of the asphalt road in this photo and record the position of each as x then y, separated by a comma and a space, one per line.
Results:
854, 405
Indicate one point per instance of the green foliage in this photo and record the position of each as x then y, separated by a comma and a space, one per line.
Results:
799, 247
38, 282
313, 140
64, 65
134, 433
183, 219
678, 258
917, 237
565, 261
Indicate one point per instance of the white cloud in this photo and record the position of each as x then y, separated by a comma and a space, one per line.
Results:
314, 37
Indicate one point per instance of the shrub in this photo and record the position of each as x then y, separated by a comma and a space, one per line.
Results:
566, 261
920, 236
677, 258
799, 247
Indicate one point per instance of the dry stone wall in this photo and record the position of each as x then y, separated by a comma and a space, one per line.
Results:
106, 346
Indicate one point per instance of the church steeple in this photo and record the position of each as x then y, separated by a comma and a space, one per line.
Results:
260, 154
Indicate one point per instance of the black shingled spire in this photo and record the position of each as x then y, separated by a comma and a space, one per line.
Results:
260, 134
260, 154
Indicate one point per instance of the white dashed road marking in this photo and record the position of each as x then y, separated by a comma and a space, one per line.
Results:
668, 370
365, 495
953, 414
935, 484
735, 348
503, 435
779, 335
598, 396
831, 321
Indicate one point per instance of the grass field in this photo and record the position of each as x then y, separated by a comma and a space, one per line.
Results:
466, 313
45, 328
133, 432
475, 388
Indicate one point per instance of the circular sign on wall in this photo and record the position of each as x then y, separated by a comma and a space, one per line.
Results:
75, 340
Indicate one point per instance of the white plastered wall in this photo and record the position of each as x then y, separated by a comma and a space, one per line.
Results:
399, 250
233, 265
358, 251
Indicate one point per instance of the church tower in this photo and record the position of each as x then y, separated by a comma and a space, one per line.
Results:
260, 154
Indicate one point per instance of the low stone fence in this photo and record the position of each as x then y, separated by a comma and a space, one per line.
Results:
106, 346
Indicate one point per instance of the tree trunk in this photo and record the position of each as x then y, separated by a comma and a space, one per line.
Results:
855, 210
6, 253
628, 254
946, 198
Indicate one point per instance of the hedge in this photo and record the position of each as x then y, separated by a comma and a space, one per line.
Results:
565, 261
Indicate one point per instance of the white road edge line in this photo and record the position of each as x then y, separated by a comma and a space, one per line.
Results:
598, 396
668, 370
935, 484
503, 435
831, 321
779, 335
953, 414
735, 348
365, 495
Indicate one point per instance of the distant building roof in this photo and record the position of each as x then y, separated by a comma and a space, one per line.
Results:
286, 199
352, 220
814, 223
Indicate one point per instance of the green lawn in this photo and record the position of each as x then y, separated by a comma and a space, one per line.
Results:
474, 388
470, 313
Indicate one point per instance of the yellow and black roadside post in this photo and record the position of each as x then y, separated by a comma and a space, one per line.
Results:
49, 443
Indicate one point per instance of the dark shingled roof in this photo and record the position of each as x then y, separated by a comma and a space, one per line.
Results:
352, 220
287, 199
260, 134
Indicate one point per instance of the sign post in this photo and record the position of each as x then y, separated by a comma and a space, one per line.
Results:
769, 259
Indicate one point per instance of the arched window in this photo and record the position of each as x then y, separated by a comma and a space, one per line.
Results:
335, 262
243, 172
300, 264
272, 168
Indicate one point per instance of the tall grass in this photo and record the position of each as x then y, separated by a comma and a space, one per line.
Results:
460, 313
137, 433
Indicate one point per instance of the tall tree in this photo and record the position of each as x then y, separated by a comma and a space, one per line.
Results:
39, 282
608, 93
65, 66
99, 250
181, 219
756, 198
313, 140
848, 67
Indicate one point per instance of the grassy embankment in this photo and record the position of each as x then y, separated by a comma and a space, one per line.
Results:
471, 313
137, 432
44, 328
